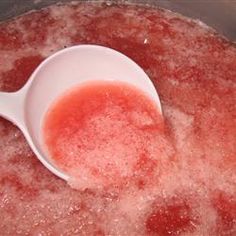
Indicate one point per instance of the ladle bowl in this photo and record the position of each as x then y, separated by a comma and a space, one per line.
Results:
63, 70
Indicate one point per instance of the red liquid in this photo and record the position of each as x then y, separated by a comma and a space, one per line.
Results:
184, 184
99, 130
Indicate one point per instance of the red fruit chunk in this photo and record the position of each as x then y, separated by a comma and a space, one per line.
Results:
15, 78
225, 206
24, 192
171, 219
10, 39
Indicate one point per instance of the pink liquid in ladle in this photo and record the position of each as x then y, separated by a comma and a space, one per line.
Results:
98, 131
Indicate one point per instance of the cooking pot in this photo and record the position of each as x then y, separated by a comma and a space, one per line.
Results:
220, 14
61, 209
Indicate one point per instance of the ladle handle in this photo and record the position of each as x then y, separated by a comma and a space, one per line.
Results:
12, 107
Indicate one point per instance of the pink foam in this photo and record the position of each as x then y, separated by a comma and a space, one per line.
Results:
187, 170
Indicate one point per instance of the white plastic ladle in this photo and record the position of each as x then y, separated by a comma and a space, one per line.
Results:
61, 71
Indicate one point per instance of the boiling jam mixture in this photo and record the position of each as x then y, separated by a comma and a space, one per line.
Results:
100, 131
184, 184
